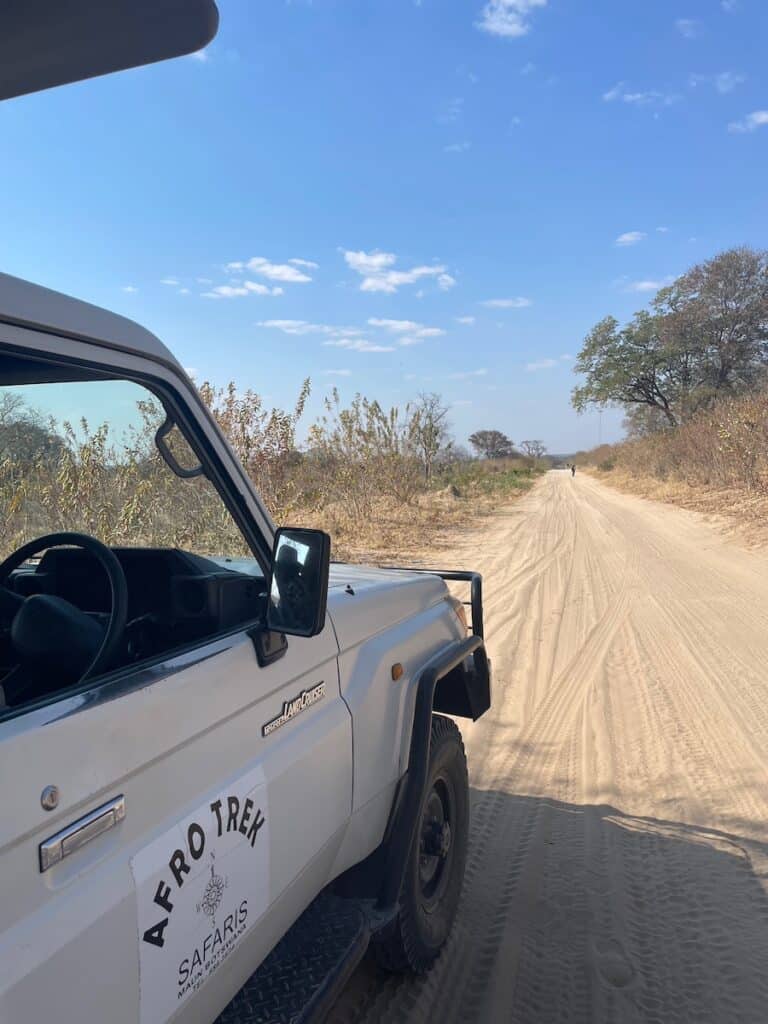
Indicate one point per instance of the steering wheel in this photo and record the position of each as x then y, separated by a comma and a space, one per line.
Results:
52, 635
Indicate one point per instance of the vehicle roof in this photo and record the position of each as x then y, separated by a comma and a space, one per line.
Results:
30, 305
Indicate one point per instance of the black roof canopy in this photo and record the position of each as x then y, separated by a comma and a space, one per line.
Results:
44, 43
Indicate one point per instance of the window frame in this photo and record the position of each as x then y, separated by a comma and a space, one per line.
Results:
184, 404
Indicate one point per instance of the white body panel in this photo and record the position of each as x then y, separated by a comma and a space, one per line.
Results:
175, 737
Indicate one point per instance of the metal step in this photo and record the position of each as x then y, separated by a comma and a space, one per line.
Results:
304, 973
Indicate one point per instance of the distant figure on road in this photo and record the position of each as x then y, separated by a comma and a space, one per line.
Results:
573, 469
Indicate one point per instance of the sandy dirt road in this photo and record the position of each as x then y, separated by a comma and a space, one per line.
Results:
618, 865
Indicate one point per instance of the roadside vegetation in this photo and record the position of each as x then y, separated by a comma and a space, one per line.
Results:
692, 374
385, 483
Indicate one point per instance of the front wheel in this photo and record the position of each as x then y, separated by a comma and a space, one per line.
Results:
429, 896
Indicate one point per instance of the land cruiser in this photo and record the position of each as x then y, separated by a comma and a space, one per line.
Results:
226, 766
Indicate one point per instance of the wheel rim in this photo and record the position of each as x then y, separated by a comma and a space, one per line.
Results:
436, 837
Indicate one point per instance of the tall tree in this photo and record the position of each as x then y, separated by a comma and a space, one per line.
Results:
534, 450
430, 429
708, 333
491, 444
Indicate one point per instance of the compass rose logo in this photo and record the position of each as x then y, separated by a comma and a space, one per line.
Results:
213, 893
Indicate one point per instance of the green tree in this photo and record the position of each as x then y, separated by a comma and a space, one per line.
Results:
707, 333
491, 444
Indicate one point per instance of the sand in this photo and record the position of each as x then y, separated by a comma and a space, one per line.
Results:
618, 865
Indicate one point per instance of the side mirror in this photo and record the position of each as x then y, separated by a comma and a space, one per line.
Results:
298, 588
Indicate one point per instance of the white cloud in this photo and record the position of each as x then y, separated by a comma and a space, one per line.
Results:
541, 364
200, 55
457, 147
233, 291
377, 271
183, 291
445, 282
688, 27
750, 123
517, 303
566, 357
191, 371
508, 18
170, 280
724, 81
304, 327
359, 345
466, 374
337, 373
630, 238
283, 272
130, 288
309, 264
410, 327
647, 285
452, 112
465, 320
642, 98
662, 230
729, 6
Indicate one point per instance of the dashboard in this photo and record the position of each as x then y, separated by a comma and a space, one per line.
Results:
174, 597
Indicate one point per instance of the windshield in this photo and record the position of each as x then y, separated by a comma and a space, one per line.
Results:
81, 455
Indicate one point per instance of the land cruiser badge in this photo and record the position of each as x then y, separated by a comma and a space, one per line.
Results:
291, 708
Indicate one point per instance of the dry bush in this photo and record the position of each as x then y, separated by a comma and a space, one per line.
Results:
725, 447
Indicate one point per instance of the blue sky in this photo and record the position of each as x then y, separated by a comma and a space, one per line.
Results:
393, 196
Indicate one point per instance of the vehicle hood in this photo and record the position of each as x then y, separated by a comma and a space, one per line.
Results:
364, 600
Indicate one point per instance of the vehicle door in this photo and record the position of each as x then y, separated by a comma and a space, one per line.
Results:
164, 825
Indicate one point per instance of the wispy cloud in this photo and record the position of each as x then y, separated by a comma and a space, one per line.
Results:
410, 327
750, 123
283, 272
648, 285
639, 98
630, 238
170, 281
200, 55
305, 327
309, 264
724, 82
452, 111
359, 345
688, 27
520, 302
457, 147
729, 6
378, 272
130, 288
662, 230
541, 364
509, 19
234, 291
466, 374
467, 320
337, 373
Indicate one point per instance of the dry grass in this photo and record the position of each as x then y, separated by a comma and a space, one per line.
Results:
715, 464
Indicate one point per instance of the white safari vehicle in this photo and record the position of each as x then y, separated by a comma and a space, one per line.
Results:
225, 766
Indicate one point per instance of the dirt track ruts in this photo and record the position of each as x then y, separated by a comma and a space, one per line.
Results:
618, 865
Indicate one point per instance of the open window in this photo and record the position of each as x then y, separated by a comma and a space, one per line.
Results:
157, 562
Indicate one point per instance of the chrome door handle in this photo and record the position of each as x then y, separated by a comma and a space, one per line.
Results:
80, 832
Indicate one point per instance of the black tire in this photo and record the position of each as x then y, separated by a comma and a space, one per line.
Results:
429, 895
